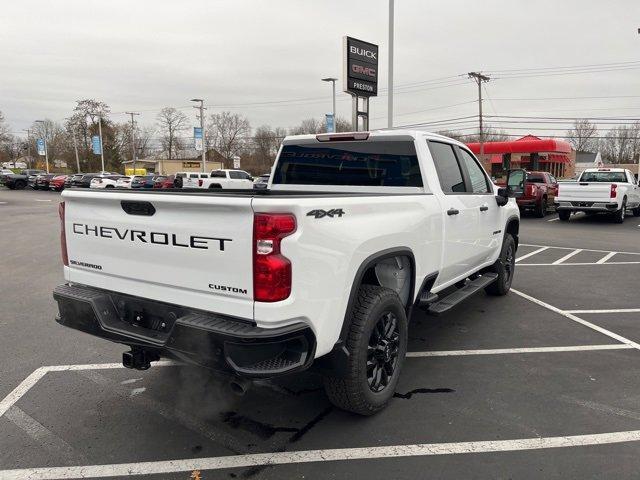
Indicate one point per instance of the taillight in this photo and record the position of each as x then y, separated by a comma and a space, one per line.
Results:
63, 236
530, 189
614, 190
200, 182
271, 269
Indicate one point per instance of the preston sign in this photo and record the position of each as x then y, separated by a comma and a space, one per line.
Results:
360, 67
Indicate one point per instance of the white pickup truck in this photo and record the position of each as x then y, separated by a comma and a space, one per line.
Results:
227, 178
598, 190
321, 270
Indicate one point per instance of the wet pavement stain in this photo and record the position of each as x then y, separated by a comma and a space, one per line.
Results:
410, 394
260, 429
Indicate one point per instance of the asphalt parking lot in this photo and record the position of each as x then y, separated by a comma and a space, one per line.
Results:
542, 383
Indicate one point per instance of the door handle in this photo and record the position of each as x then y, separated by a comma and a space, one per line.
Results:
453, 211
484, 208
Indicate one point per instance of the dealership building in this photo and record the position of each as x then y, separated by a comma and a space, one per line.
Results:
529, 152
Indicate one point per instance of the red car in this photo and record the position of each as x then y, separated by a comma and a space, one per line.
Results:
57, 183
163, 181
540, 191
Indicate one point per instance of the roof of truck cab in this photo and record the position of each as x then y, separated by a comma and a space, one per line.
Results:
399, 134
604, 169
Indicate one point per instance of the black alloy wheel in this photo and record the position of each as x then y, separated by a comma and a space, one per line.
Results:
382, 352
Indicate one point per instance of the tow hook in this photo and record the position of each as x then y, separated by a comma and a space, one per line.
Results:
139, 359
240, 386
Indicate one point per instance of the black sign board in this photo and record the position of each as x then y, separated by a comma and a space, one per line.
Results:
360, 67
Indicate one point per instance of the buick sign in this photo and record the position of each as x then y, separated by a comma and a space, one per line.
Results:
360, 67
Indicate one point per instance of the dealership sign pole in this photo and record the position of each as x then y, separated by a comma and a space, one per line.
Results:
360, 76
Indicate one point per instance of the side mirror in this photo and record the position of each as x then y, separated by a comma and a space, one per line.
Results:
503, 197
515, 183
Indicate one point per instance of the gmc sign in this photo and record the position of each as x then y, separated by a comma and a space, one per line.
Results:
360, 74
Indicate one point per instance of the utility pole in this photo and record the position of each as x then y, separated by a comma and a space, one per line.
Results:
133, 140
204, 142
28, 130
75, 143
390, 86
480, 79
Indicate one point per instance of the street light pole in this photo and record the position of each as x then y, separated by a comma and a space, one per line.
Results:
28, 130
204, 143
46, 143
333, 87
75, 143
133, 140
390, 86
101, 143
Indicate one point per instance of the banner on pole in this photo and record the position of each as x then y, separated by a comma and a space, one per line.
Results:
96, 145
197, 136
331, 126
236, 162
40, 145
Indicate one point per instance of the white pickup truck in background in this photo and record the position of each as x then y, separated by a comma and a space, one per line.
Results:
600, 190
229, 179
322, 269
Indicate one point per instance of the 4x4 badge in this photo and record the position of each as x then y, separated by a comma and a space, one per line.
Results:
334, 212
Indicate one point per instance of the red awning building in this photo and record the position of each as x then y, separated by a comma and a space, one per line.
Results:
530, 152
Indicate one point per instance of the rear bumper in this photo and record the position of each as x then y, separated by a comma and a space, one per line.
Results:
527, 202
587, 206
225, 344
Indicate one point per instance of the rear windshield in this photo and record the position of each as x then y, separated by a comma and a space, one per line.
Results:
606, 177
390, 164
535, 178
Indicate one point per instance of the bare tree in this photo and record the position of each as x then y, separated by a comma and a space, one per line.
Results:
582, 134
7, 141
621, 144
490, 135
144, 139
84, 120
308, 125
228, 133
171, 123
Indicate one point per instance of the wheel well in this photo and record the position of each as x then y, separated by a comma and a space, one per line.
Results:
395, 272
513, 228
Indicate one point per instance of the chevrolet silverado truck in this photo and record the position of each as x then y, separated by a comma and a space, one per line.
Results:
320, 270
600, 190
232, 179
540, 189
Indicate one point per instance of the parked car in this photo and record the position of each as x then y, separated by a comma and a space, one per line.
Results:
124, 181
42, 181
236, 179
190, 179
105, 181
265, 285
18, 181
84, 181
58, 182
261, 182
163, 181
142, 181
598, 190
540, 190
68, 183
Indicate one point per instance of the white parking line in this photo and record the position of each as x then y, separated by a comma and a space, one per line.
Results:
43, 200
573, 248
567, 256
615, 310
531, 254
497, 351
571, 316
606, 257
554, 219
307, 456
573, 264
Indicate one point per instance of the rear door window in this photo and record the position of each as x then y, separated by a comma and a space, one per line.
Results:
350, 163
477, 177
449, 173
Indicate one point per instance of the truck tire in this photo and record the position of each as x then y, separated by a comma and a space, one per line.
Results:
618, 217
377, 342
564, 215
541, 208
20, 184
505, 268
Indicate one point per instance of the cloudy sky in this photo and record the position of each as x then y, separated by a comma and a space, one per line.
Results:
265, 58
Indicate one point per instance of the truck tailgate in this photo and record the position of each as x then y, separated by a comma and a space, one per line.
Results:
190, 250
587, 192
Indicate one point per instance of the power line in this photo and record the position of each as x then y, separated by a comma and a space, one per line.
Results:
566, 67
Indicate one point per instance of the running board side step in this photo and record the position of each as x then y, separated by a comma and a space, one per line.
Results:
453, 299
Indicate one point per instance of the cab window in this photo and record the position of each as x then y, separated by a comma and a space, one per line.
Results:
447, 167
477, 177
